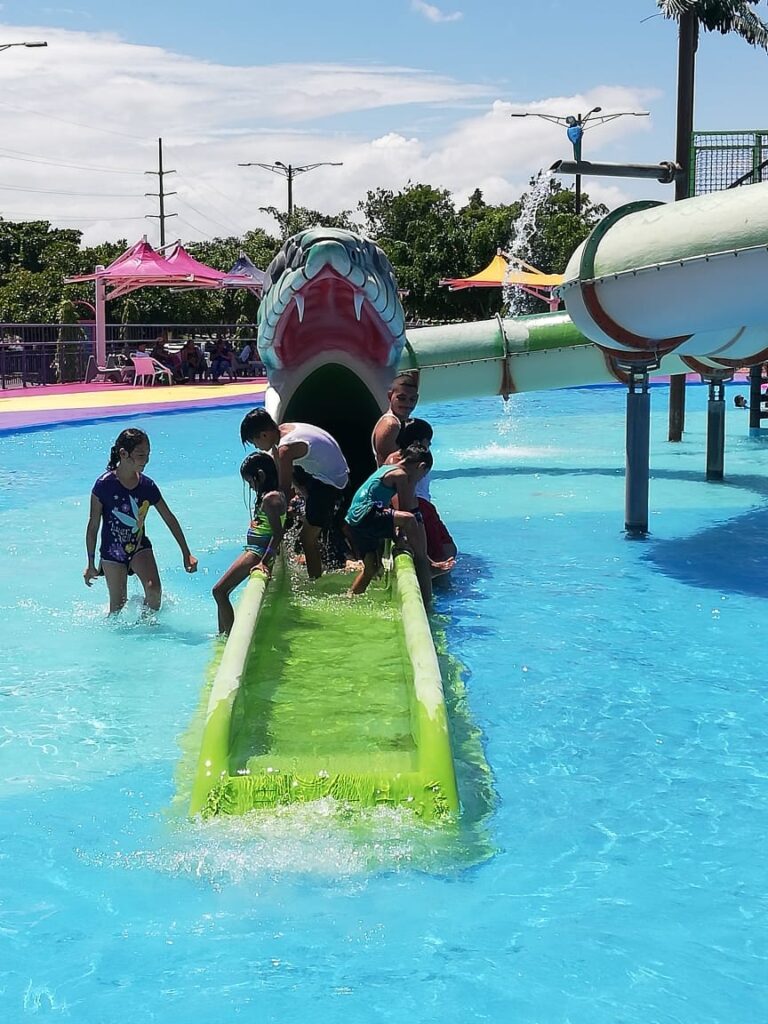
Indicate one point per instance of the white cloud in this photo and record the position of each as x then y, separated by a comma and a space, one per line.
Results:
79, 123
432, 13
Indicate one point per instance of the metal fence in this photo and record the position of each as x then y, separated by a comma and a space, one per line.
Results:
39, 354
721, 160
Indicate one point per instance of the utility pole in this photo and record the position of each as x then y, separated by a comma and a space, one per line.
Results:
161, 194
289, 172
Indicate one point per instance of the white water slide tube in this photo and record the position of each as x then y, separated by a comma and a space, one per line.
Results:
683, 282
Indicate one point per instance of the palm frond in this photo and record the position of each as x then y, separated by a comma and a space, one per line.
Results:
725, 16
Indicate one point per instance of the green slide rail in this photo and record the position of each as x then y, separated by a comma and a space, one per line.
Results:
318, 695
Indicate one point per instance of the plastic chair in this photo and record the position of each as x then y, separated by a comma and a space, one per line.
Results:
112, 373
146, 367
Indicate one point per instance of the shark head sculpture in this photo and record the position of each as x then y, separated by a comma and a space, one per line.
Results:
331, 331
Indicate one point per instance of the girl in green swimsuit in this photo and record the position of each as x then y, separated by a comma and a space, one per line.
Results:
264, 534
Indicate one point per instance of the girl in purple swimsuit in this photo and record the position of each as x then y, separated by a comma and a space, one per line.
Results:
120, 501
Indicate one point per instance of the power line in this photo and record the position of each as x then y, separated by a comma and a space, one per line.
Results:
200, 231
32, 158
58, 192
14, 217
232, 225
76, 124
206, 216
215, 188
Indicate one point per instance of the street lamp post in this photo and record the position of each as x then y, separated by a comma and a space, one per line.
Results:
575, 126
32, 45
289, 172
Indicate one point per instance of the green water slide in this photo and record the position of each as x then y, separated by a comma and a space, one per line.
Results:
507, 356
319, 695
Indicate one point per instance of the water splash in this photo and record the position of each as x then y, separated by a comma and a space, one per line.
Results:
324, 839
523, 231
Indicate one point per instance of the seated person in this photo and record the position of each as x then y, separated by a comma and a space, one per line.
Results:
248, 360
191, 361
163, 355
222, 360
372, 519
132, 348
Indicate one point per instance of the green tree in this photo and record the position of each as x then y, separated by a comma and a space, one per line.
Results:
129, 314
725, 16
421, 232
302, 219
427, 240
68, 343
30, 298
488, 229
36, 246
260, 247
558, 231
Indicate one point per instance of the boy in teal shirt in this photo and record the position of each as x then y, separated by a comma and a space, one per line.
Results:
372, 519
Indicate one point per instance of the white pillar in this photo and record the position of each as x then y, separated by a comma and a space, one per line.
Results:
101, 320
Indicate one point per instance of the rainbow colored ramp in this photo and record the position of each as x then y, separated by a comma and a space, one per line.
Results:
321, 695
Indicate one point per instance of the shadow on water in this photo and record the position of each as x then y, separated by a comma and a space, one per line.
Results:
731, 556
463, 591
156, 629
457, 600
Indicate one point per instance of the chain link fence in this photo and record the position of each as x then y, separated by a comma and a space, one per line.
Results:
721, 160
39, 354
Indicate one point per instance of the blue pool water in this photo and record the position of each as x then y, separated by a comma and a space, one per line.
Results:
618, 686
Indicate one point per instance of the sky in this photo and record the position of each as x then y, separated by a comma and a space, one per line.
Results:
406, 90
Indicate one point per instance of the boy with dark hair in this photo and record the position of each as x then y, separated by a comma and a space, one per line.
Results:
310, 460
403, 397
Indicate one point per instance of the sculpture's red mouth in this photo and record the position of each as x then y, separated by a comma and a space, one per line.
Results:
329, 313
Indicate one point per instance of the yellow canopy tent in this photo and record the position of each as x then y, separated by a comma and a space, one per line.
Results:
511, 271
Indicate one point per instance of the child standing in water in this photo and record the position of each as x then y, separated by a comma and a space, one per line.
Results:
371, 518
264, 534
120, 501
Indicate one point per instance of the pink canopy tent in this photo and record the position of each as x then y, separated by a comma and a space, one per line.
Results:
141, 266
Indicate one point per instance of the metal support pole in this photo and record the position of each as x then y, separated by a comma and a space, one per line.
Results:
638, 452
676, 407
716, 429
101, 320
755, 394
289, 176
688, 40
665, 172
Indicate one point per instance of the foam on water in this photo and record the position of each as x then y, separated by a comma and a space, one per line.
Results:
324, 839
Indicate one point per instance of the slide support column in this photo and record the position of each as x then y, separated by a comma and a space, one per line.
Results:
716, 426
676, 407
638, 450
755, 396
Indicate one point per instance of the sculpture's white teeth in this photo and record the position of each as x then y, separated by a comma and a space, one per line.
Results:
299, 300
359, 302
